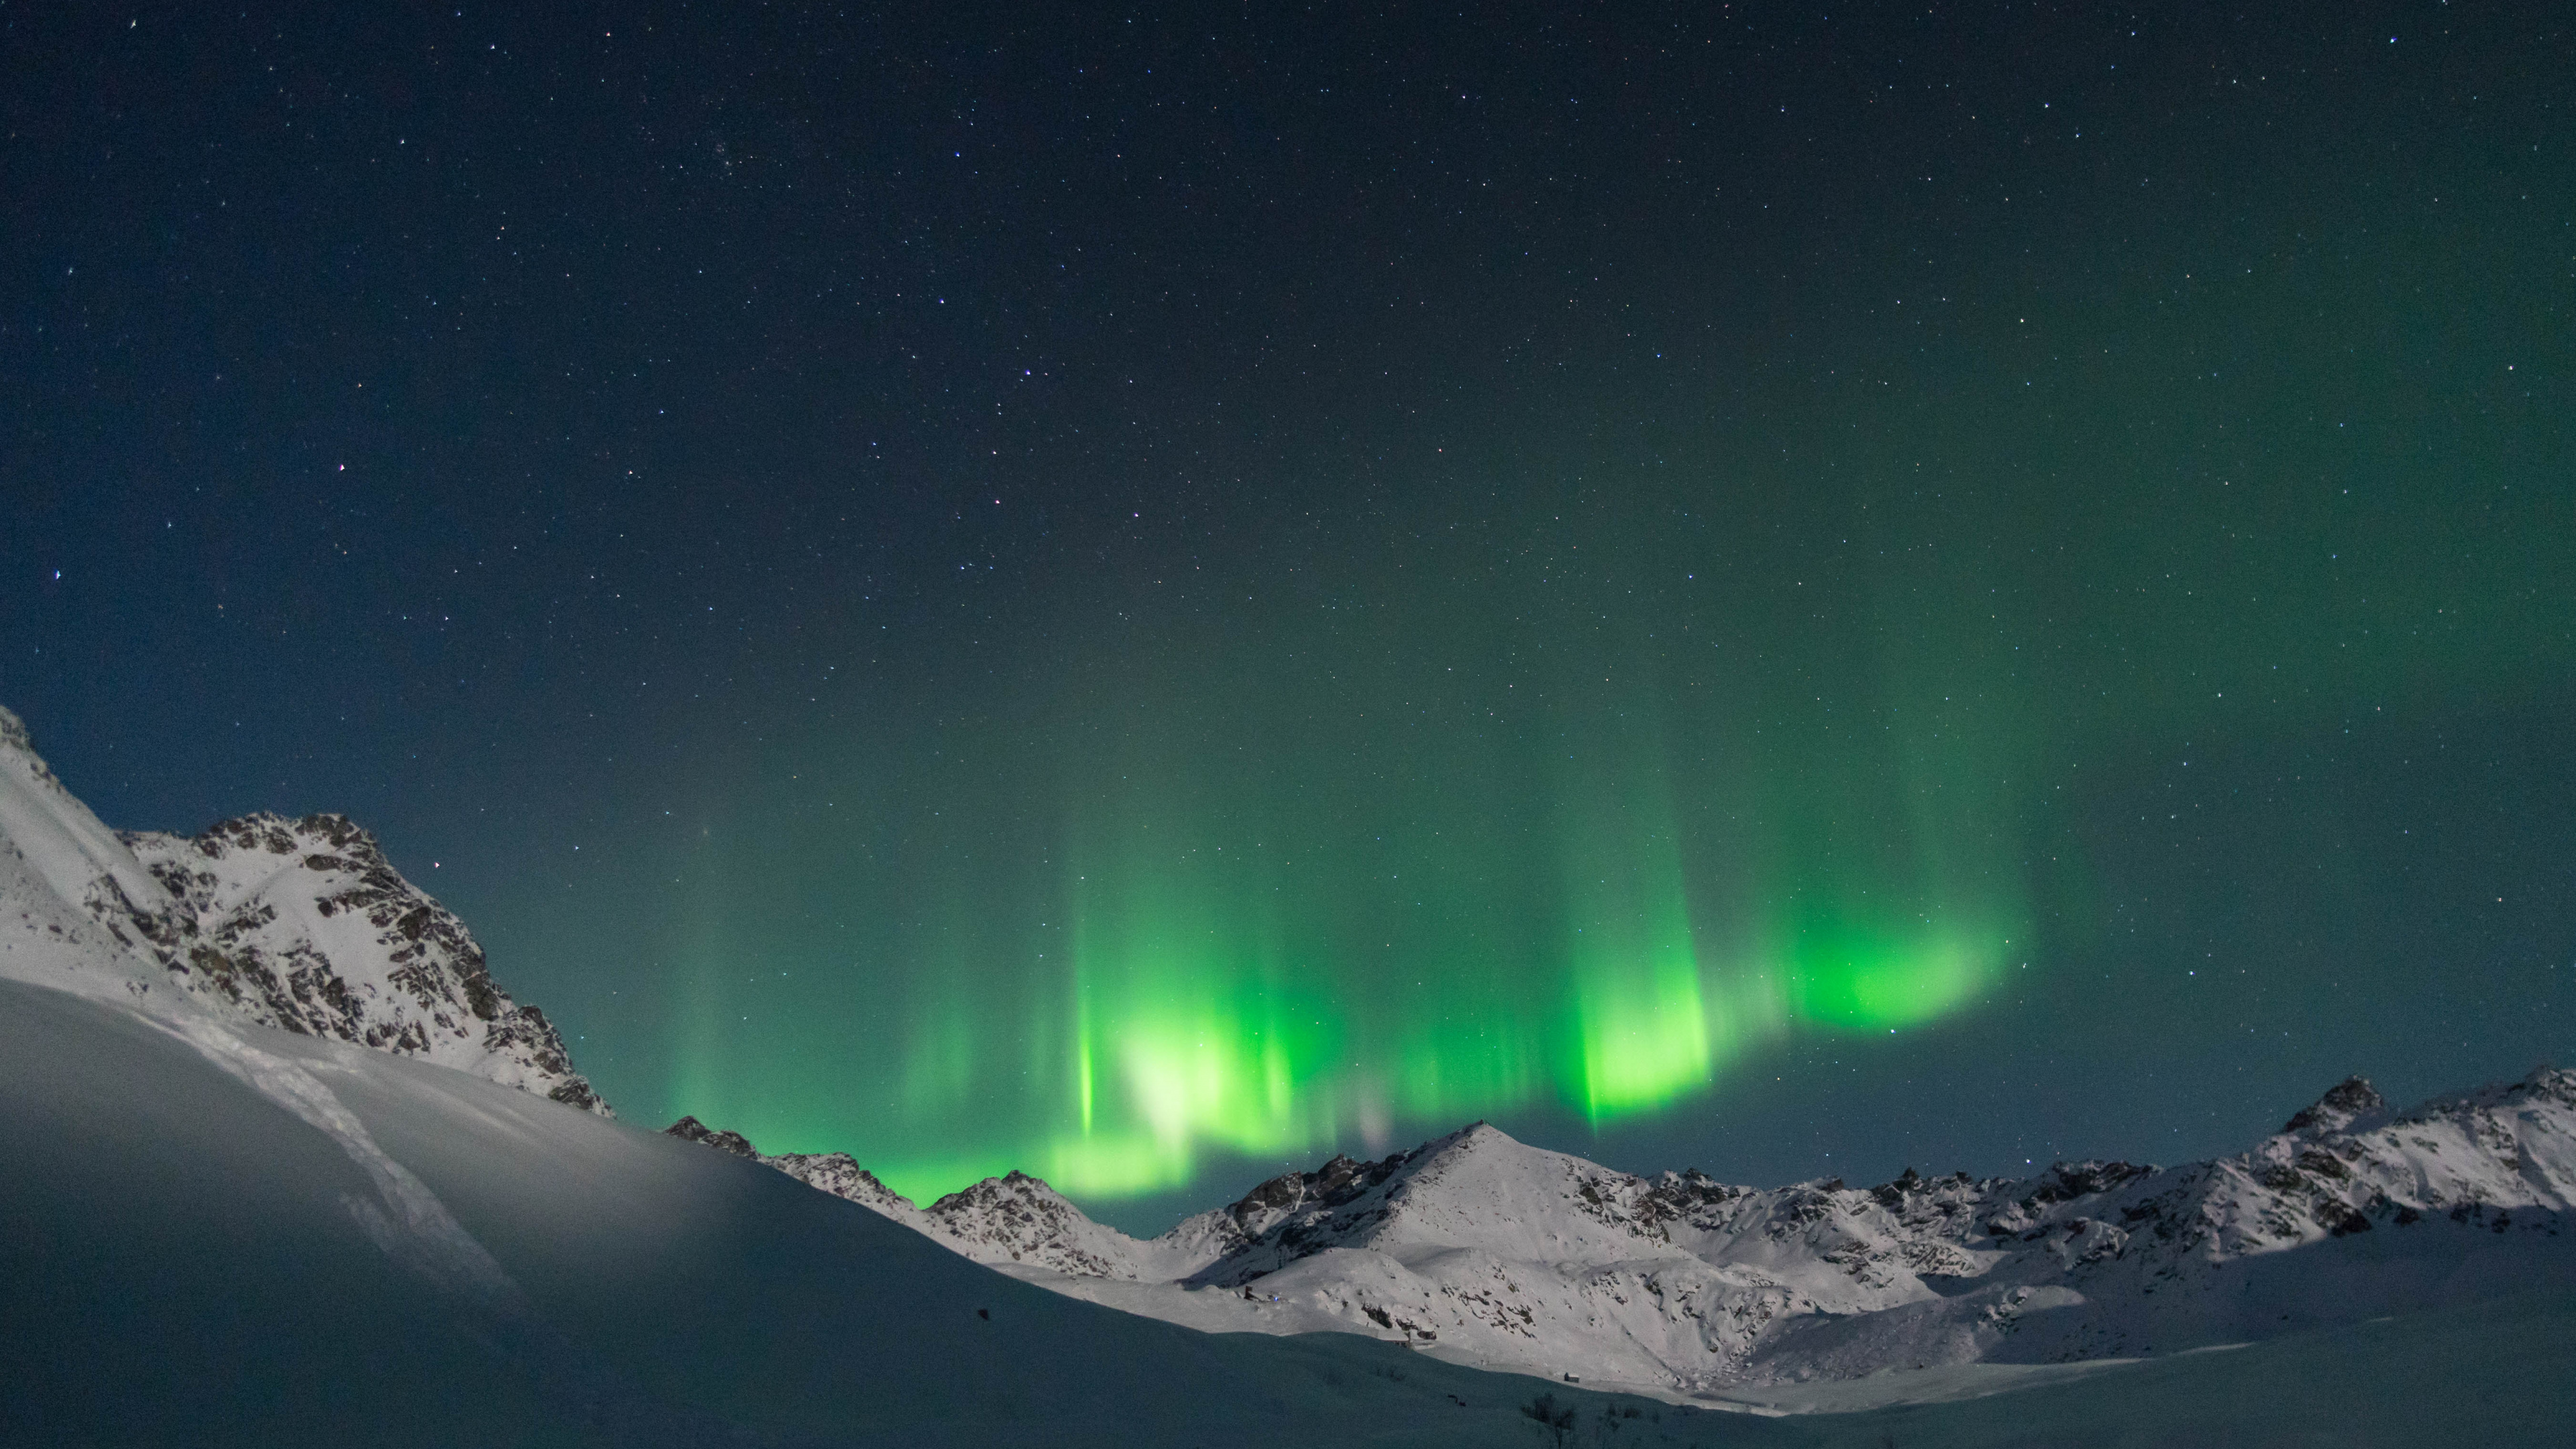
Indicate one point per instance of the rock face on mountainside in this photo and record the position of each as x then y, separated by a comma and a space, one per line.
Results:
1486, 1250
301, 925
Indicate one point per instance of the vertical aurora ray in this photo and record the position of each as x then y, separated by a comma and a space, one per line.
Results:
1639, 1019
1641, 1031
1186, 1022
1906, 894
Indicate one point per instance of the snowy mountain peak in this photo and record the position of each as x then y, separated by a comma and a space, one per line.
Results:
2344, 1103
2543, 1084
1020, 1219
302, 925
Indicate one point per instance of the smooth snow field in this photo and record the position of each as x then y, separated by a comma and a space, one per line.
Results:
214, 1234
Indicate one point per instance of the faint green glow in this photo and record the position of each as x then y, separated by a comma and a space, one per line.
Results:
1473, 1063
1082, 1071
1847, 973
939, 1059
927, 1179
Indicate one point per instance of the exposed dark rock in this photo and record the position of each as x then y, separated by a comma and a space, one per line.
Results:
690, 1129
420, 988
2344, 1102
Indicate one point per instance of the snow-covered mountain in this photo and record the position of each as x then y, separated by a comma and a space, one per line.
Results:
1490, 1252
256, 1193
297, 924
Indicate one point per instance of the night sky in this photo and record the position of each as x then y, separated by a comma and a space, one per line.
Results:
1147, 595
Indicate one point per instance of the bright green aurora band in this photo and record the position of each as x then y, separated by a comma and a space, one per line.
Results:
1339, 881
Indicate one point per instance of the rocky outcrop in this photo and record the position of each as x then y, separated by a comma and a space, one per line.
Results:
2343, 1104
690, 1129
834, 1172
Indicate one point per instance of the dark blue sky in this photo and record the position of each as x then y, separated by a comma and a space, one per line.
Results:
766, 509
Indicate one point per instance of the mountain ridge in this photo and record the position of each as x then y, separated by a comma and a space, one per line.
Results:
1488, 1251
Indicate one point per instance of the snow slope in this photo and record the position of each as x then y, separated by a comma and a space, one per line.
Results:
218, 1233
222, 1234
299, 924
1485, 1251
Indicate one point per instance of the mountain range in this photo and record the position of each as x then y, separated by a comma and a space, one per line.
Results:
1491, 1252
284, 967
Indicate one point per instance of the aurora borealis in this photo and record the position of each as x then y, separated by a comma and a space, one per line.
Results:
1516, 891
1146, 598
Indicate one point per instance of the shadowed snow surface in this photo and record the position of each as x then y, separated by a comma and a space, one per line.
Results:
193, 1260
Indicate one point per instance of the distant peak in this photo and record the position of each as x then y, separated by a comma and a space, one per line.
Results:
2344, 1102
13, 732
1014, 1186
690, 1129
1475, 1135
2548, 1081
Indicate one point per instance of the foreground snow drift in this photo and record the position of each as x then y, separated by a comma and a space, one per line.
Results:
237, 1236
227, 1234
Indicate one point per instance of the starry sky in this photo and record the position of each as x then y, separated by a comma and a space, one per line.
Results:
1148, 595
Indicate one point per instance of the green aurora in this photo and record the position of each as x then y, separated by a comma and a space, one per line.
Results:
1341, 883
1580, 715
1578, 808
1247, 975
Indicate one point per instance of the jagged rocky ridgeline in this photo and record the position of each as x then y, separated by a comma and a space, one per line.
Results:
1508, 1256
301, 925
